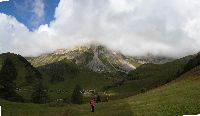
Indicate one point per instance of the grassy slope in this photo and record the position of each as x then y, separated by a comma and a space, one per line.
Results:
176, 98
46, 59
85, 56
21, 71
134, 62
84, 77
22, 66
87, 80
24, 69
150, 76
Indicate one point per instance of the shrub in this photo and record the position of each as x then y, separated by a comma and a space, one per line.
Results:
7, 87
40, 94
77, 97
98, 98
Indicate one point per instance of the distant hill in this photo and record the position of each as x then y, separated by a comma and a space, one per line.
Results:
154, 59
27, 75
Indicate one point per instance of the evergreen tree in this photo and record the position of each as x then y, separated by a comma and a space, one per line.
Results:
7, 87
40, 94
57, 77
77, 97
98, 98
192, 63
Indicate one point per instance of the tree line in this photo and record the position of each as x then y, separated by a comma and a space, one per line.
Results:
8, 74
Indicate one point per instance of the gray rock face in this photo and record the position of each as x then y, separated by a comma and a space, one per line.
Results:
106, 60
95, 57
96, 64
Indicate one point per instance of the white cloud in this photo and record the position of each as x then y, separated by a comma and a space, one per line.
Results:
134, 27
36, 10
4, 0
38, 16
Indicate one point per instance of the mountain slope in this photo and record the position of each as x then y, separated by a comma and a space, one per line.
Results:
96, 58
176, 98
69, 64
149, 76
26, 73
179, 97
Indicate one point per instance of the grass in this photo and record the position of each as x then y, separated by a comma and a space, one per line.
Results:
149, 76
87, 80
134, 62
175, 98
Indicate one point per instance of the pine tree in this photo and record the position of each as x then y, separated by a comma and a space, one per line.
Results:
98, 98
40, 94
7, 87
77, 97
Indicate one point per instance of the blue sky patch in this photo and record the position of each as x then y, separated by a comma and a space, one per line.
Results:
25, 11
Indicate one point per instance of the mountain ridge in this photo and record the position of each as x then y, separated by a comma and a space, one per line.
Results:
94, 57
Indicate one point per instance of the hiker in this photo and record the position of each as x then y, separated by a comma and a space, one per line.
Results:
92, 105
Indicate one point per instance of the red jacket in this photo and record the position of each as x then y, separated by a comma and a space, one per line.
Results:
92, 102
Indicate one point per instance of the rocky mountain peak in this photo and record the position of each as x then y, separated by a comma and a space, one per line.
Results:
95, 57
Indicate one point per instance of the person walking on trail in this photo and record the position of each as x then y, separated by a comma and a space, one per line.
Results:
92, 105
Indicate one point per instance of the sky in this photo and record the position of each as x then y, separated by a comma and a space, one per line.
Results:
134, 27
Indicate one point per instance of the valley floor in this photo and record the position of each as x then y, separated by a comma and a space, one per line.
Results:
176, 98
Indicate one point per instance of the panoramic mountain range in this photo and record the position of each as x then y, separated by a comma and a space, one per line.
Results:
97, 58
95, 68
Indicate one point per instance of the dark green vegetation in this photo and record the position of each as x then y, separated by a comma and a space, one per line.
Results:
179, 97
59, 70
39, 94
77, 97
8, 74
60, 79
26, 74
191, 64
149, 76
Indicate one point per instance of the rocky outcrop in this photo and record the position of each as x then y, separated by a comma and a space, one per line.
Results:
96, 64
95, 57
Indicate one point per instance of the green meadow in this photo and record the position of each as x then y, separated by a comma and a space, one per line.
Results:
178, 97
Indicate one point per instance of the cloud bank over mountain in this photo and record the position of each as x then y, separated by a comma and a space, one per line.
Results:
134, 27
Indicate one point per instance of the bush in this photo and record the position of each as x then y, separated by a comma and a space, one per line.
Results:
7, 87
77, 97
192, 63
40, 94
143, 90
67, 100
98, 98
